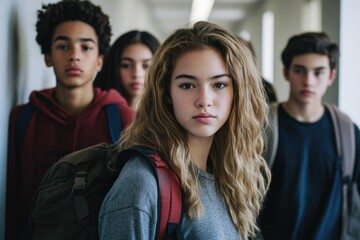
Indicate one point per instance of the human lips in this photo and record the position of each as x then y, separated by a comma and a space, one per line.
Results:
204, 117
307, 92
136, 85
73, 71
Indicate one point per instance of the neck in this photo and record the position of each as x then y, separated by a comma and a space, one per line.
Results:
304, 113
199, 151
74, 100
133, 102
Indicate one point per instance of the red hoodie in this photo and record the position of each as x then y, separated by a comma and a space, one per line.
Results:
51, 134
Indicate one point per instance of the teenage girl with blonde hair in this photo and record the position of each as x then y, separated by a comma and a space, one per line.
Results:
203, 111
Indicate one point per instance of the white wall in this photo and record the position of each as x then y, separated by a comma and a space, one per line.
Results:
287, 21
5, 96
21, 71
331, 25
32, 71
349, 83
126, 15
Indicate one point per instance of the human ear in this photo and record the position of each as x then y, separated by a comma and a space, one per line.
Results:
100, 60
286, 73
332, 77
48, 60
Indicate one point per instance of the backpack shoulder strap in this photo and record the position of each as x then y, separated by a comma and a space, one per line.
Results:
170, 198
272, 134
169, 193
21, 126
345, 140
114, 121
345, 145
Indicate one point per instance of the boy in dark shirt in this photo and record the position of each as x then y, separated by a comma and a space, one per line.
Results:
305, 196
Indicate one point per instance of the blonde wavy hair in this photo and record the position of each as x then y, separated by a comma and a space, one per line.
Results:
241, 174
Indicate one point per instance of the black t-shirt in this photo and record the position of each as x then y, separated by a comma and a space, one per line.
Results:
305, 196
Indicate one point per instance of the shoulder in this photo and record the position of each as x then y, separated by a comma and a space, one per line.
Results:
112, 97
341, 118
131, 205
16, 110
136, 185
137, 170
109, 96
335, 110
41, 95
22, 111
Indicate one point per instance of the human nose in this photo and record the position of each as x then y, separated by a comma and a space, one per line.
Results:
74, 54
310, 79
138, 71
204, 98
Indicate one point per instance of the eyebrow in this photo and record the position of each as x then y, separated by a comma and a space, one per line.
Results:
66, 38
194, 78
303, 67
132, 60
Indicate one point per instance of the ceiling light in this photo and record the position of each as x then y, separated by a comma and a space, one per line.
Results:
227, 14
200, 10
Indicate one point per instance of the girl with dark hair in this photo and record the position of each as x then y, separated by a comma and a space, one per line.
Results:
126, 63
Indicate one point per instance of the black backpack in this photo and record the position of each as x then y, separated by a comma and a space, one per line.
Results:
345, 145
67, 203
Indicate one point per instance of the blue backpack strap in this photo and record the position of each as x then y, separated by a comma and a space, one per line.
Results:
21, 126
114, 121
170, 195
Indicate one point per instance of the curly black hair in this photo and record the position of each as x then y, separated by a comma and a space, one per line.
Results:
52, 15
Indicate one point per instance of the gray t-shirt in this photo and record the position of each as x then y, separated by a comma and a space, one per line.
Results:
129, 210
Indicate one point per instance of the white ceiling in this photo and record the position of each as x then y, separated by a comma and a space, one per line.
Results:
172, 14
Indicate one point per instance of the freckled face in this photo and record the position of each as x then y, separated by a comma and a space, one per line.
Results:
201, 92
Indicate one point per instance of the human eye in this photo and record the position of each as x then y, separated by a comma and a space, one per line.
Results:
319, 72
125, 65
146, 66
219, 85
299, 71
186, 86
62, 46
87, 48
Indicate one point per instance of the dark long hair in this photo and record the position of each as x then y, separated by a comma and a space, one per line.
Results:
109, 77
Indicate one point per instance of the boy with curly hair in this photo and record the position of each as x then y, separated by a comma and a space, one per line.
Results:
74, 36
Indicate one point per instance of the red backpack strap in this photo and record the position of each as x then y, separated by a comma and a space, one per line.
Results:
170, 198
